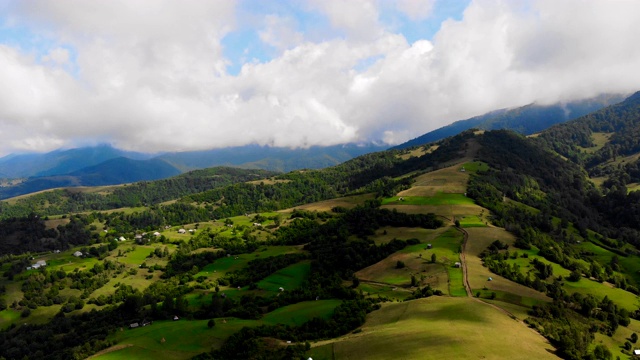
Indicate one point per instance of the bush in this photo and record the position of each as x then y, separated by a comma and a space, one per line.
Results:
25, 313
400, 264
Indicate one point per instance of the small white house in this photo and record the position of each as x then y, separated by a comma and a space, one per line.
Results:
156, 234
636, 352
77, 254
182, 231
122, 238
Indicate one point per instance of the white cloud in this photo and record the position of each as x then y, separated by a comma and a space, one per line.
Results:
151, 76
416, 9
280, 32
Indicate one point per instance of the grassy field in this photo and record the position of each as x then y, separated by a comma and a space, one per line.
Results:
288, 278
479, 240
183, 339
439, 198
437, 328
298, 314
445, 244
218, 268
387, 233
347, 202
472, 221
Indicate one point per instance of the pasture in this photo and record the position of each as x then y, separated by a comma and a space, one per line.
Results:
288, 278
437, 328
445, 244
347, 202
298, 314
478, 275
183, 339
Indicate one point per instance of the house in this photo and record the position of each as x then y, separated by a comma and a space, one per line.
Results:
257, 224
490, 279
176, 318
457, 264
134, 325
122, 238
281, 288
182, 231
636, 352
429, 246
41, 263
138, 237
191, 231
77, 254
28, 267
156, 234
462, 170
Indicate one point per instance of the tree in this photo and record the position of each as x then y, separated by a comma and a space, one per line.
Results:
356, 281
457, 222
433, 258
211, 323
575, 275
634, 338
414, 281
400, 264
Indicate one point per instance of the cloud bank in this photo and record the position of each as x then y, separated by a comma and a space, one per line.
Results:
156, 75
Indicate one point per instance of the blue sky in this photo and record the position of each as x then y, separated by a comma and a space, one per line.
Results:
165, 75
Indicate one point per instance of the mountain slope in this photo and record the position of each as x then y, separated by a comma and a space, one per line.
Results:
61, 162
526, 120
111, 172
269, 158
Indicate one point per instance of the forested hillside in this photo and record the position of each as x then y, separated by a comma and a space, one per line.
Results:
224, 256
525, 120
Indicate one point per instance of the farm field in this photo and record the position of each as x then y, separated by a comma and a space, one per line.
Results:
185, 339
417, 262
445, 328
288, 278
479, 240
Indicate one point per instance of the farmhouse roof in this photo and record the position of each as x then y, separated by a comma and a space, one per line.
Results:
182, 231
77, 253
636, 352
156, 234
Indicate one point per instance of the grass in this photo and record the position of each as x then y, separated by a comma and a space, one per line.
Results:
183, 339
438, 199
471, 221
479, 240
456, 286
298, 314
445, 244
437, 328
217, 269
288, 278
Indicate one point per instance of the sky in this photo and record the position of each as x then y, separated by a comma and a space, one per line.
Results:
160, 75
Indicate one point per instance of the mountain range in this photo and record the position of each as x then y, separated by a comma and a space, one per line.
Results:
105, 165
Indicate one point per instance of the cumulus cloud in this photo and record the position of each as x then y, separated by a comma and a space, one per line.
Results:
152, 76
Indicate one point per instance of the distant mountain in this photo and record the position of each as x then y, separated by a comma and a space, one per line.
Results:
111, 172
269, 158
60, 162
526, 120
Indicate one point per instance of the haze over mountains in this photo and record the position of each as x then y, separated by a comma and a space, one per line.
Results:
105, 165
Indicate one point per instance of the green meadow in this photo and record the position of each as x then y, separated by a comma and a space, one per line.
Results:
439, 198
444, 328
288, 278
